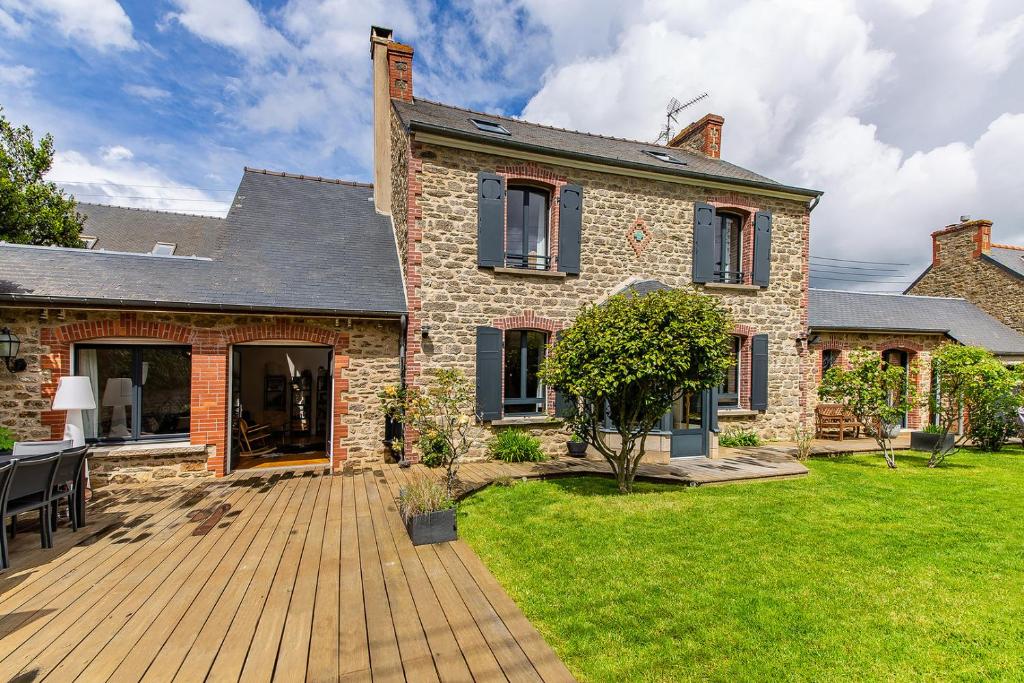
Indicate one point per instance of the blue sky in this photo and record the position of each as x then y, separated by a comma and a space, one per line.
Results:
908, 113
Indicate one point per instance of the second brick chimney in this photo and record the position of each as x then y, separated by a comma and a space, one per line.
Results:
703, 136
960, 241
392, 80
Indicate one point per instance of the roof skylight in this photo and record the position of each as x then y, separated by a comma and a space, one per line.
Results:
88, 241
663, 156
490, 126
164, 249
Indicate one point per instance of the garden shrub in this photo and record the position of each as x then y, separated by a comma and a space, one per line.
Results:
993, 416
6, 439
515, 445
735, 438
423, 495
433, 447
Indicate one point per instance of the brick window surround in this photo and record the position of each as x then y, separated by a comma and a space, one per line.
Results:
530, 321
746, 334
739, 206
532, 175
211, 350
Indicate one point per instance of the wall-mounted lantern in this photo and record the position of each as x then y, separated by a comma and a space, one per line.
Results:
9, 346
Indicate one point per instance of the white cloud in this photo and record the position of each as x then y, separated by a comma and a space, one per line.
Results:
16, 75
9, 25
100, 24
122, 181
147, 92
234, 24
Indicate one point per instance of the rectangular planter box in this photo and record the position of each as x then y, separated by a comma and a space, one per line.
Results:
433, 527
923, 441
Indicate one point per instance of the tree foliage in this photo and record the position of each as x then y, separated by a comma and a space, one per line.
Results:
634, 356
992, 405
875, 392
444, 410
32, 210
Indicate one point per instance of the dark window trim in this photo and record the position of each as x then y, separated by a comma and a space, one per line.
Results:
524, 350
136, 391
734, 397
722, 234
522, 258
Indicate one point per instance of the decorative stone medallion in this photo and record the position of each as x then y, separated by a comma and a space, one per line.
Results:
639, 236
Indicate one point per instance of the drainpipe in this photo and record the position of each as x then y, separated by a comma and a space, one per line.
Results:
401, 370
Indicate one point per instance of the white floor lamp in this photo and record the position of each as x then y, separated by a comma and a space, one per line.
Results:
74, 394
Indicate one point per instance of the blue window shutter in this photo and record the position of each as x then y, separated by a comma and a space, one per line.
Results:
762, 248
759, 372
563, 402
703, 242
490, 223
488, 373
570, 228
713, 410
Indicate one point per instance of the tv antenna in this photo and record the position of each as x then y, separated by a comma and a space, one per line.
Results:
671, 112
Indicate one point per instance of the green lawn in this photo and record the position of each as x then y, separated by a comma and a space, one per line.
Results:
854, 572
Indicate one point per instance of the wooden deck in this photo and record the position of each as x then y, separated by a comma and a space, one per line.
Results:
288, 575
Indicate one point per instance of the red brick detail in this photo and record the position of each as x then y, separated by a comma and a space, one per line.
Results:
529, 320
982, 237
745, 333
704, 134
532, 174
413, 283
639, 246
210, 352
400, 71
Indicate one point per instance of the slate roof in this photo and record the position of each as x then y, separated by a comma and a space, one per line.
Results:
1009, 258
289, 244
428, 116
958, 318
138, 230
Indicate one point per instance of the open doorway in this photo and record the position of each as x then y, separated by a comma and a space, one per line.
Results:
281, 405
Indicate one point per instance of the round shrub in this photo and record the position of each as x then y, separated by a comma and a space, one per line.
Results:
515, 445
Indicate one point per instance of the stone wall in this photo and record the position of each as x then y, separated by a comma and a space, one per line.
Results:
919, 348
451, 295
365, 359
959, 269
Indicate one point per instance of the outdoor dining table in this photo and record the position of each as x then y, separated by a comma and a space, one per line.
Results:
79, 493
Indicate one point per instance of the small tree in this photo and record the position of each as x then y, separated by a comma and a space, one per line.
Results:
875, 392
444, 409
630, 359
970, 380
32, 211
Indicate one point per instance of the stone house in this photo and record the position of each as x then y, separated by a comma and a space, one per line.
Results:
507, 228
965, 263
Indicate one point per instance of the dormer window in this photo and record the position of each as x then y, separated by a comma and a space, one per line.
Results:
526, 236
490, 126
164, 249
88, 241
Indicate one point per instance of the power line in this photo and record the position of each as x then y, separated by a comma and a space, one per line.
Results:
836, 265
864, 282
162, 199
873, 263
164, 187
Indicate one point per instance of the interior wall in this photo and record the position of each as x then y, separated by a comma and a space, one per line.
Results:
259, 361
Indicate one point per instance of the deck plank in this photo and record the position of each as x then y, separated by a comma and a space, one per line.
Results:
354, 642
323, 646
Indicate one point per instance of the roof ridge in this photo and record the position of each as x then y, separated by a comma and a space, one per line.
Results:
558, 128
905, 296
137, 208
300, 176
1014, 247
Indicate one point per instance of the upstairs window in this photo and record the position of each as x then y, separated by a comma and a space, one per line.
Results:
728, 249
526, 235
729, 392
524, 392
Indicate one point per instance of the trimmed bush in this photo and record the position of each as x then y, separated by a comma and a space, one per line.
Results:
515, 445
735, 438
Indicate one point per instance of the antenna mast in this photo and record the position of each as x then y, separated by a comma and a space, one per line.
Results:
671, 112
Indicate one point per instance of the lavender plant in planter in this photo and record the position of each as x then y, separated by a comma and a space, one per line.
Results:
428, 512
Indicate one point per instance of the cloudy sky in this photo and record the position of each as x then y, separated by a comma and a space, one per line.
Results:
907, 113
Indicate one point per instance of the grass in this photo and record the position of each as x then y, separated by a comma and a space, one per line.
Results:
854, 572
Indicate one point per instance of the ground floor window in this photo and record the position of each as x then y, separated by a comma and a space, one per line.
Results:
524, 352
829, 359
729, 392
141, 391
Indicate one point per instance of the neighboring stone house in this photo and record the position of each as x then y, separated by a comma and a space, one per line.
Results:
905, 330
288, 312
966, 264
507, 229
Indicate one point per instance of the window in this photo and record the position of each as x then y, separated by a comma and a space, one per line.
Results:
663, 156
526, 236
829, 360
490, 126
88, 241
524, 392
729, 392
164, 249
728, 248
141, 391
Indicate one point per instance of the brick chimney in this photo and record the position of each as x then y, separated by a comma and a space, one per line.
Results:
961, 241
702, 137
392, 79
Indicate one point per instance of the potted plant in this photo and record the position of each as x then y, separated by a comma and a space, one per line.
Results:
428, 512
577, 444
928, 439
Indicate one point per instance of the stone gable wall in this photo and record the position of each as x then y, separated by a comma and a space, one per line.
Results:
452, 296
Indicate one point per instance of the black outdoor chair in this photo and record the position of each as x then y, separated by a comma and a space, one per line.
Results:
67, 485
6, 470
31, 488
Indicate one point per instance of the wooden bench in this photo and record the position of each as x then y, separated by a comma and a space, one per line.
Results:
833, 420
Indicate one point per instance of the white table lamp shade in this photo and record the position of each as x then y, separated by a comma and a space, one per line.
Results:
118, 392
74, 393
